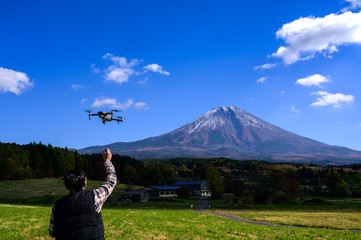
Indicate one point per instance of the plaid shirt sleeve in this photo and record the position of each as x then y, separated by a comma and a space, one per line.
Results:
51, 224
102, 193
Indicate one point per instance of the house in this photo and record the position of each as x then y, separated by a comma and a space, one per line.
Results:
136, 196
161, 191
198, 188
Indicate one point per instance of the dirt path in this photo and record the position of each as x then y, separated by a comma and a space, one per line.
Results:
245, 220
203, 205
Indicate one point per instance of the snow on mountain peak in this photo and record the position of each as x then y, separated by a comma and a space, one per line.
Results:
209, 120
217, 117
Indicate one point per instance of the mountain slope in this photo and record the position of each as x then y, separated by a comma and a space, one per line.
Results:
233, 133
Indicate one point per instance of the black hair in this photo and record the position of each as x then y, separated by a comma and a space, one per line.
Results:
74, 180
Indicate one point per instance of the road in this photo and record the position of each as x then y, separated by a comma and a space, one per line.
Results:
203, 205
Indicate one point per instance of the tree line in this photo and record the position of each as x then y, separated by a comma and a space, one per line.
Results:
36, 160
250, 180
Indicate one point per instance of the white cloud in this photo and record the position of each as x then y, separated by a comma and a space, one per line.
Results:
121, 61
121, 69
13, 81
126, 105
261, 80
334, 100
307, 36
141, 105
359, 125
84, 100
144, 81
77, 86
354, 5
118, 74
283, 92
100, 102
95, 69
114, 104
293, 109
265, 66
156, 68
315, 79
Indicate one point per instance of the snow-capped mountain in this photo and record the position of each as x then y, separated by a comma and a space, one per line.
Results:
233, 133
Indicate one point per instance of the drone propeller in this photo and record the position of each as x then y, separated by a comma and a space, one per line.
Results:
115, 110
88, 111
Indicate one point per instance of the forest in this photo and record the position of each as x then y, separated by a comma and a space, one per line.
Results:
250, 180
36, 160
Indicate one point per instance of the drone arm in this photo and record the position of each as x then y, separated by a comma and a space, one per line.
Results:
118, 120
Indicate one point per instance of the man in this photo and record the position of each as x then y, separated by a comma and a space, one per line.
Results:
77, 215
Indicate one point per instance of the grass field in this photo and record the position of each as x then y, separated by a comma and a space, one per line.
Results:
347, 220
175, 220
332, 213
31, 222
327, 204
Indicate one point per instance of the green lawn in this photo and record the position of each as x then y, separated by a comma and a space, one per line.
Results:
31, 222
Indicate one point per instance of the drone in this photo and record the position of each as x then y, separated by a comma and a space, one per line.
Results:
106, 116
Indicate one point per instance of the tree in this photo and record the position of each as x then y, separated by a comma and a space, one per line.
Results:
215, 182
277, 180
233, 184
341, 190
37, 162
199, 172
99, 170
8, 168
129, 175
293, 187
357, 190
332, 178
60, 167
158, 174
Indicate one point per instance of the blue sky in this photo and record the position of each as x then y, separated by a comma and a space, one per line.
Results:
295, 64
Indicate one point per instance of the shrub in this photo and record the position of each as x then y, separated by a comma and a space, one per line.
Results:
183, 192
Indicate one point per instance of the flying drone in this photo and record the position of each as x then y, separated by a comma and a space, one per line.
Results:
106, 116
